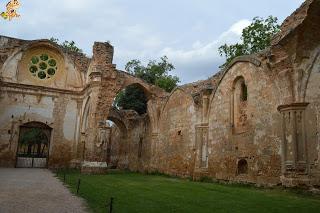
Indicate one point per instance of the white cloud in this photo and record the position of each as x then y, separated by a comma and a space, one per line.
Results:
188, 35
202, 60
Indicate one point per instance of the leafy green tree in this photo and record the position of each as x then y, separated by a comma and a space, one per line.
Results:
156, 73
68, 45
255, 38
34, 137
133, 98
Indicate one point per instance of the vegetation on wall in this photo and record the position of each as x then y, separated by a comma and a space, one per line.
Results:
156, 73
132, 98
68, 45
255, 38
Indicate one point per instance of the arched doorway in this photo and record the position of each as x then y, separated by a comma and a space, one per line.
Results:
33, 145
118, 141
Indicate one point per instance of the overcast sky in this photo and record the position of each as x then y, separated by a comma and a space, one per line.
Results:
189, 32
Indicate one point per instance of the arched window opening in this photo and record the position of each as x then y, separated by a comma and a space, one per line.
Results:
239, 106
244, 92
242, 167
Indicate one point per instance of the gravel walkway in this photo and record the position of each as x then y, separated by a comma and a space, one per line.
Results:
35, 190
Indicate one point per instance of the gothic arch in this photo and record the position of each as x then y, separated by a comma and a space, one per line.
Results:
247, 59
149, 90
170, 96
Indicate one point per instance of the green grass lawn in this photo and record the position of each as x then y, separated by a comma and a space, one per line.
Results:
150, 193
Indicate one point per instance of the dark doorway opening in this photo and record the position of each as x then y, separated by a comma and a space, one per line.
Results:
33, 145
242, 167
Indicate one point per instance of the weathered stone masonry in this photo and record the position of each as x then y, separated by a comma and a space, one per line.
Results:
256, 121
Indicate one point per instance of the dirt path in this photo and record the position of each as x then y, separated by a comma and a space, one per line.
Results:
35, 190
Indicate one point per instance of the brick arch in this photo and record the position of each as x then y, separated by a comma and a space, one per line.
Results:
149, 89
177, 89
247, 59
251, 59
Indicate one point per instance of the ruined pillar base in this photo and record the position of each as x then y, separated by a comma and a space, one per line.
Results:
89, 167
297, 181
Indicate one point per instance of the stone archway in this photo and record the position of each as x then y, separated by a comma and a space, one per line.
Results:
118, 140
33, 145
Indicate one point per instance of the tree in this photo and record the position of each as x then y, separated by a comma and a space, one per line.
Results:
255, 38
34, 137
68, 45
132, 98
156, 73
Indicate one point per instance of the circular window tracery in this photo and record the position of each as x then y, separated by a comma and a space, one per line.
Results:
43, 66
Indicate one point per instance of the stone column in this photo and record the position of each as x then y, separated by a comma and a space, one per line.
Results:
294, 153
100, 91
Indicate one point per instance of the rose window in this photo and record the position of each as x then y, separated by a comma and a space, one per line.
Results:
43, 66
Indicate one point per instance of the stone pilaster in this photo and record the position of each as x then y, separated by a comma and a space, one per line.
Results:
294, 145
201, 158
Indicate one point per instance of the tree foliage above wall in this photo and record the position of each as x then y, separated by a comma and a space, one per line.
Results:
68, 45
156, 73
255, 38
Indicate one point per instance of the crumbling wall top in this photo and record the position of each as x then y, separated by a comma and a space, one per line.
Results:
292, 22
103, 52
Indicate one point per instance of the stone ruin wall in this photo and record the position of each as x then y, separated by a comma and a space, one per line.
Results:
205, 129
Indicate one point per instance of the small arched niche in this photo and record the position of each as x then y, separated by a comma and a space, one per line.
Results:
242, 167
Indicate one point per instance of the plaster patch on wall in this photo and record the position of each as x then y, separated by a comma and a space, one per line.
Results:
44, 111
10, 69
70, 120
